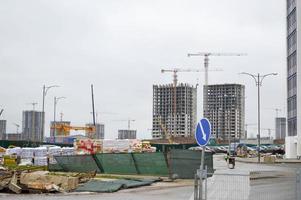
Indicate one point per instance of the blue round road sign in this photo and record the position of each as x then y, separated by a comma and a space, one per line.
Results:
203, 132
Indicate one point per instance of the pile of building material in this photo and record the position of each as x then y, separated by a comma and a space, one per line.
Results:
92, 146
39, 181
39, 156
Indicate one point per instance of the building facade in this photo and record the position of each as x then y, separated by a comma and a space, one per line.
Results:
225, 109
293, 139
2, 129
127, 134
280, 128
174, 110
32, 126
99, 131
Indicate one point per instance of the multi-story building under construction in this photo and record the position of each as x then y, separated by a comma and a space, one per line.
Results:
32, 126
174, 110
225, 109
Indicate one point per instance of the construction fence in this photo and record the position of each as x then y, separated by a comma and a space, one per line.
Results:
179, 163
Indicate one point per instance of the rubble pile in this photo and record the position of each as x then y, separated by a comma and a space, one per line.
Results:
39, 181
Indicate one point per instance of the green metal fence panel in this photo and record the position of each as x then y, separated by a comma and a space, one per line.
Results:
55, 168
77, 163
113, 163
151, 163
184, 163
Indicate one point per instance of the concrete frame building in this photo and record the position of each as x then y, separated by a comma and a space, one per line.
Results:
99, 130
127, 134
293, 139
2, 129
225, 109
280, 128
174, 110
32, 126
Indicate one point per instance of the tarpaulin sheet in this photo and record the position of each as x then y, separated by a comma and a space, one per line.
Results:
77, 163
113, 163
151, 163
112, 186
184, 163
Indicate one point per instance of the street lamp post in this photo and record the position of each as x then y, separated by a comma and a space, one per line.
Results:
258, 80
45, 90
56, 99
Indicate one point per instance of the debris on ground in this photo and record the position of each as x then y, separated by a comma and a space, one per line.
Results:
18, 181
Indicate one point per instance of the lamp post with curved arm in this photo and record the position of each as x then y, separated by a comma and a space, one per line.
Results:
45, 90
258, 80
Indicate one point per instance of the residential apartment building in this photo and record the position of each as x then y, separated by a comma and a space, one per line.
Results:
225, 109
174, 110
99, 131
280, 128
127, 134
32, 126
293, 139
2, 129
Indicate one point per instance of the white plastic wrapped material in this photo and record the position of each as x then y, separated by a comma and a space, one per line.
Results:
27, 153
68, 151
40, 161
25, 161
17, 151
40, 152
116, 146
54, 151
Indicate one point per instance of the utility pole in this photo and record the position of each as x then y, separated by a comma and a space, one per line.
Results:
258, 80
93, 107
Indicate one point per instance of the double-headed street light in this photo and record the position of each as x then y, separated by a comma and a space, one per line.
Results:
258, 80
45, 90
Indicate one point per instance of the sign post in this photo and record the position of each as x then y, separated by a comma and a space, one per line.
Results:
202, 136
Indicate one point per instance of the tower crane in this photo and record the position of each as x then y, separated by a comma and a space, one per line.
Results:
206, 59
176, 70
175, 82
17, 127
246, 128
33, 105
206, 66
277, 110
128, 120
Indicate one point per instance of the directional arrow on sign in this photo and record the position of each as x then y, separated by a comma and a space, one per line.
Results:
203, 132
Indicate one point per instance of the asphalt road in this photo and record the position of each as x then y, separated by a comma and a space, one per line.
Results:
145, 193
228, 184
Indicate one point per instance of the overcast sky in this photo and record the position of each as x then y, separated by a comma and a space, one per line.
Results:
121, 45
